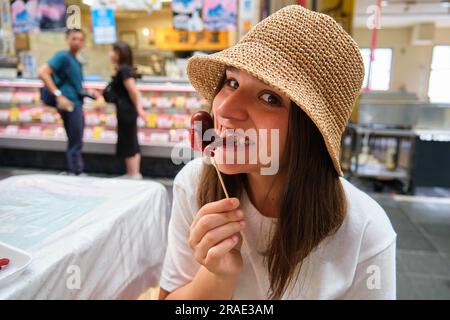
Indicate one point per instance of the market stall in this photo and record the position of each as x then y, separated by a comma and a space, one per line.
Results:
26, 124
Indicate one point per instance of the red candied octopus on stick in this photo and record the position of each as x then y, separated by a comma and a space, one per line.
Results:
201, 121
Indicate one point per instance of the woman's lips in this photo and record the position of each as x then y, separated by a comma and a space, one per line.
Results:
232, 138
229, 140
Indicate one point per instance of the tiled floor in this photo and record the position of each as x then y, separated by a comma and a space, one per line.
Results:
423, 245
423, 240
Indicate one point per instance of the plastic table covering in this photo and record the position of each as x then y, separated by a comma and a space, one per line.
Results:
90, 238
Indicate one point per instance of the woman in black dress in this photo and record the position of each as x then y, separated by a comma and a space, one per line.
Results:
129, 107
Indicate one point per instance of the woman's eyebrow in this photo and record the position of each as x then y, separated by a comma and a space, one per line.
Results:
262, 83
232, 69
236, 70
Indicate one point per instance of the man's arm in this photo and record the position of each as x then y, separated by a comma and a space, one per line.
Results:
45, 74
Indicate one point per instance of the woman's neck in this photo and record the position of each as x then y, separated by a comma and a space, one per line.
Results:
265, 192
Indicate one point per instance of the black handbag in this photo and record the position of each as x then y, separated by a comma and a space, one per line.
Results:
109, 93
47, 97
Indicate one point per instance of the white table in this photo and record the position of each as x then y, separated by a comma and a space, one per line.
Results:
90, 238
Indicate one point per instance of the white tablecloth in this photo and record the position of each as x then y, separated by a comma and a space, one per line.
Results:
90, 238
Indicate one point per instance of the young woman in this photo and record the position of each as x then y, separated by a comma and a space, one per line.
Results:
129, 107
304, 232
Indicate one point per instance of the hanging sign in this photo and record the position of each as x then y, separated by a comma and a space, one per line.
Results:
180, 40
104, 25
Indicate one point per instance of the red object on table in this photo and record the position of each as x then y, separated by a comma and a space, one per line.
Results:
4, 262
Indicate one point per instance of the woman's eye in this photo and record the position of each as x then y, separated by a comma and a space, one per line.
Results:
271, 99
232, 83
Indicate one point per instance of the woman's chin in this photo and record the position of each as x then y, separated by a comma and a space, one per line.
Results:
233, 166
236, 168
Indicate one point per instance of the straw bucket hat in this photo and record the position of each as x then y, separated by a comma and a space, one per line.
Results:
304, 54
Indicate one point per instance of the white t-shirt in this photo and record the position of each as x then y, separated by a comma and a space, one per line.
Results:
357, 262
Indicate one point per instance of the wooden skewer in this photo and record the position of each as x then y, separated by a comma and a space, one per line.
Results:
220, 177
239, 245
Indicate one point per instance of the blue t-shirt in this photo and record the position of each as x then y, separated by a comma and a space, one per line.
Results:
67, 75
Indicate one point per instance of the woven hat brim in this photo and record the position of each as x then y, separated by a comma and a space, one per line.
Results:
206, 75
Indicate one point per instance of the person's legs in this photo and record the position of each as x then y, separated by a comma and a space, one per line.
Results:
128, 145
133, 165
74, 125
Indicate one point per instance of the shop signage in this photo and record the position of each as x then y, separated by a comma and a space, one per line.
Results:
7, 47
25, 17
248, 16
186, 14
180, 40
104, 25
220, 14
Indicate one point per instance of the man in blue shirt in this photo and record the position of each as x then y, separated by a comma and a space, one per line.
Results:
63, 76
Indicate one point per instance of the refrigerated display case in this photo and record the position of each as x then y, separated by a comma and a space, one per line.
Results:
25, 123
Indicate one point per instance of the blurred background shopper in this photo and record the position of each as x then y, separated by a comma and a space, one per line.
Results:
63, 76
129, 106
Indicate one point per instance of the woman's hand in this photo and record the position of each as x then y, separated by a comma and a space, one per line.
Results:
214, 235
142, 114
95, 93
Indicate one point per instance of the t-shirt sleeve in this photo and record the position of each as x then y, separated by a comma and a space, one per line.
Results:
375, 277
126, 72
58, 61
180, 265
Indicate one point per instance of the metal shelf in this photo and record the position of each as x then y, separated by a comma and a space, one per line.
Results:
149, 149
88, 125
382, 131
380, 172
104, 146
94, 107
358, 168
100, 85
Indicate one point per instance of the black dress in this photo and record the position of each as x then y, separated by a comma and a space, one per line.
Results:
127, 139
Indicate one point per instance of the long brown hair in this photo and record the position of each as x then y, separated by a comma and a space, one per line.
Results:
312, 205
124, 52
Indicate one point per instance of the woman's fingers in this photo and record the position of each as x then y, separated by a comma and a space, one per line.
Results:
223, 205
212, 221
217, 252
215, 236
238, 245
215, 229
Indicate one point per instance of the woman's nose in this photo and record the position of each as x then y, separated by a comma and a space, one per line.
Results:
233, 107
